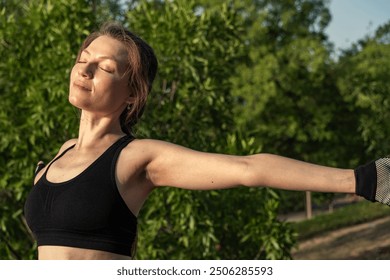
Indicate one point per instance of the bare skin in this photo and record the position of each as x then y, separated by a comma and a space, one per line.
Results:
71, 253
145, 165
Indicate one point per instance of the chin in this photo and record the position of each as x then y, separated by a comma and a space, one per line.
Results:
78, 102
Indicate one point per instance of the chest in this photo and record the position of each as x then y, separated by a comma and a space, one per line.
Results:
73, 164
95, 176
77, 197
87, 201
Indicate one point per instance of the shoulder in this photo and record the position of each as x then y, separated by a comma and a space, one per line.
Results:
67, 144
151, 153
151, 147
143, 148
71, 141
148, 144
145, 151
41, 166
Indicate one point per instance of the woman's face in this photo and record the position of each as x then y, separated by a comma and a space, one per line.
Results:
98, 81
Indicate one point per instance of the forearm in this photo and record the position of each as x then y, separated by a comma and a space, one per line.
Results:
284, 173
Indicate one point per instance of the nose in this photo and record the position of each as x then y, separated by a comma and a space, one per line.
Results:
85, 70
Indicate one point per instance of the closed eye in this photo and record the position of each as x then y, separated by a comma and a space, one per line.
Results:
107, 70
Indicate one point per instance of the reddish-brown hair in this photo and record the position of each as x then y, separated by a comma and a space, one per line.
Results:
142, 67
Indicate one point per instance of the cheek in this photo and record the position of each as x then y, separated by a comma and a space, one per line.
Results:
115, 89
107, 92
73, 72
123, 89
77, 97
123, 86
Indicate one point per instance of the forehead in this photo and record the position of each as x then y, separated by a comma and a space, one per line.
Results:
105, 46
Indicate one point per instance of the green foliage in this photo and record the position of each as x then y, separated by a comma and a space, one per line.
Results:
363, 81
236, 77
196, 53
38, 46
191, 103
286, 89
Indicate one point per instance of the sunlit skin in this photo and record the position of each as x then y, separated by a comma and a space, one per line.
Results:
98, 86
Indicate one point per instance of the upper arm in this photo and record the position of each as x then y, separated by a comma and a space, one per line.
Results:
176, 166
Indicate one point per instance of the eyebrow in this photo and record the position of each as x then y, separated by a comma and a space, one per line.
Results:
103, 56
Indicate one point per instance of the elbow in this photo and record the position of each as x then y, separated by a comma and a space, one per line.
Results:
249, 175
256, 173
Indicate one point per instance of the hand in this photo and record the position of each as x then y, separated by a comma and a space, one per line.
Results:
373, 180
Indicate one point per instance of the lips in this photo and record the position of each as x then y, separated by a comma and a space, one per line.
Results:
82, 86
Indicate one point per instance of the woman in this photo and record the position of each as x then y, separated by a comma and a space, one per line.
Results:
85, 202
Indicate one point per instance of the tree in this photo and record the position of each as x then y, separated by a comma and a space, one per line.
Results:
286, 88
198, 50
363, 82
191, 104
38, 42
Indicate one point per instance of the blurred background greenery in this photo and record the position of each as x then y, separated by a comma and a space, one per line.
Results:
236, 77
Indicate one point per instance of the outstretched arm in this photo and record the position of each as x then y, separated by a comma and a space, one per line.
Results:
176, 166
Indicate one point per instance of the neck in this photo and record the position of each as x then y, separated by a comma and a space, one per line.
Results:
94, 129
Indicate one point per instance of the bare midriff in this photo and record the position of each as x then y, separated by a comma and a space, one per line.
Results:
72, 253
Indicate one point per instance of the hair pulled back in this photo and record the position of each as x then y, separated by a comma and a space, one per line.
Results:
142, 67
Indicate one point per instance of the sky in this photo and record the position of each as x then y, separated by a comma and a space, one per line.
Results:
353, 19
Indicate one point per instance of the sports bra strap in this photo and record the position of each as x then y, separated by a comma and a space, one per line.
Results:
61, 155
40, 166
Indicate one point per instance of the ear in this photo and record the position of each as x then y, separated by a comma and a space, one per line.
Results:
130, 100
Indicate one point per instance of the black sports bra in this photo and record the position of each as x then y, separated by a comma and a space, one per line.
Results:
86, 211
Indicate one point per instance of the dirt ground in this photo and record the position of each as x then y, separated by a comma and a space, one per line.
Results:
368, 241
